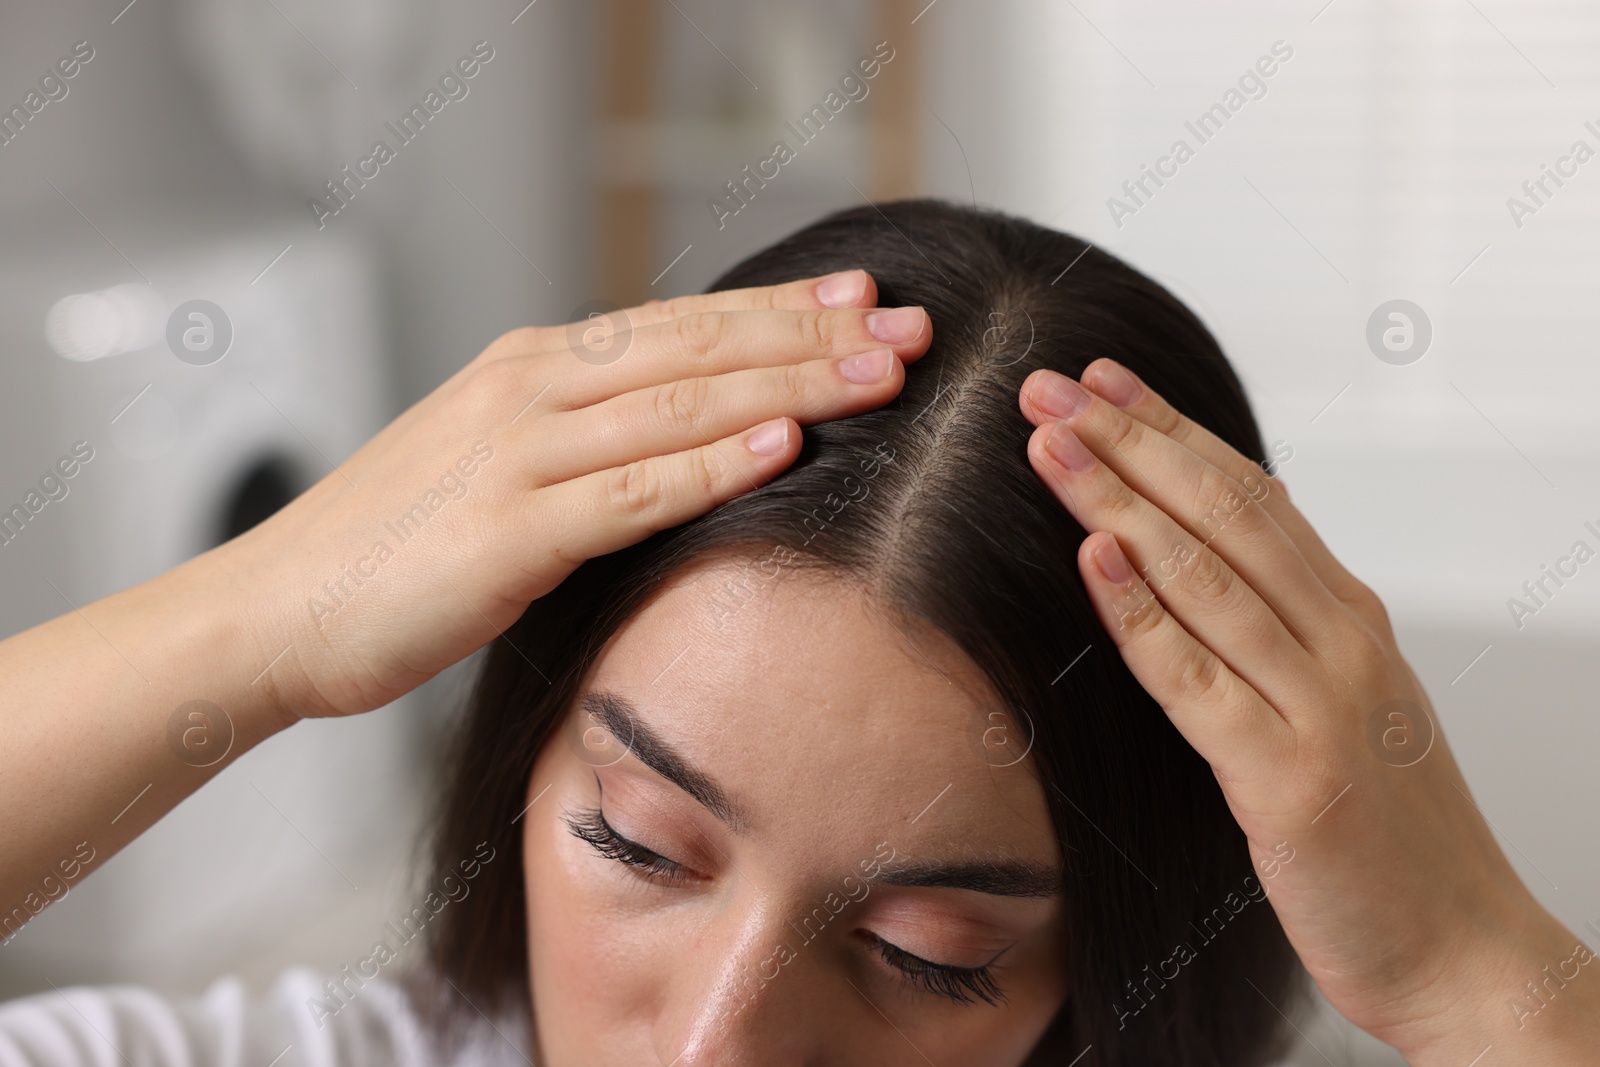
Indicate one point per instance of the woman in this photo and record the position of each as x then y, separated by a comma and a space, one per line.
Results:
819, 747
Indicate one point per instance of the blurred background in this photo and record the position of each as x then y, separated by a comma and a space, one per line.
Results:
1382, 211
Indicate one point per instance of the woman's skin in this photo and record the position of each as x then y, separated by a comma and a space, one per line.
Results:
833, 770
1269, 657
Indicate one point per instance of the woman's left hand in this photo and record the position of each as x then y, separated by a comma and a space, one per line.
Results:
1281, 669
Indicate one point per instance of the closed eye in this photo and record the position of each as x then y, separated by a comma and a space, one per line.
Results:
963, 985
589, 825
960, 984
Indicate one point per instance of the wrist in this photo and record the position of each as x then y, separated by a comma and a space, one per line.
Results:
1528, 989
221, 643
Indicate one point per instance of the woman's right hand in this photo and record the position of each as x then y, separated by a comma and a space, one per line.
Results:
555, 445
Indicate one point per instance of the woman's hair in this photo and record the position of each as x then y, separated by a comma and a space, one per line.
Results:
954, 529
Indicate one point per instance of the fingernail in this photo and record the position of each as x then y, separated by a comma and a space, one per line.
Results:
1116, 384
1112, 563
769, 438
868, 367
842, 289
1058, 396
897, 326
1068, 451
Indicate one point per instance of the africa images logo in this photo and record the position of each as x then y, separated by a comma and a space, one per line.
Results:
452, 86
1251, 85
851, 88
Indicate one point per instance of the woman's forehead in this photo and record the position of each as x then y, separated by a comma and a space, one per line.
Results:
812, 696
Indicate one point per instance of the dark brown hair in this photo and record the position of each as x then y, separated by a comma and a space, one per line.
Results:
959, 533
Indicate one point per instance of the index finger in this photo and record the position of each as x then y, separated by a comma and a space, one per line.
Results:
1121, 387
843, 289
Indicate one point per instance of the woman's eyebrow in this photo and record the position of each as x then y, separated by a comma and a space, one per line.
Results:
1005, 878
619, 716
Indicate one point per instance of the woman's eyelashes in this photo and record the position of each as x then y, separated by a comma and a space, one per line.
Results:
590, 825
960, 984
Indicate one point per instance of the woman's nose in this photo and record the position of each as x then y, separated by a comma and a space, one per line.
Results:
747, 1004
